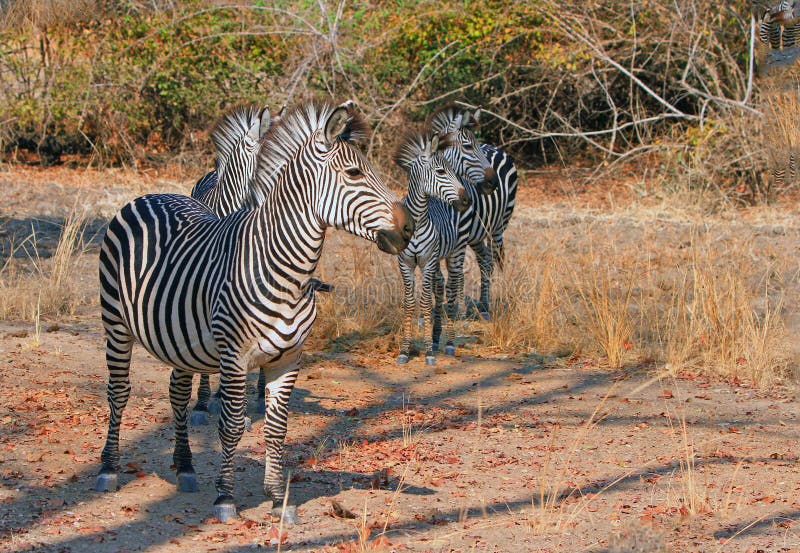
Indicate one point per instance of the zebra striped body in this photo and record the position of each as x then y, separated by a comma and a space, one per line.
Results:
208, 294
435, 235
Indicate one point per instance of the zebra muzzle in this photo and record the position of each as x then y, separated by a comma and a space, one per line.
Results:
490, 181
396, 239
462, 203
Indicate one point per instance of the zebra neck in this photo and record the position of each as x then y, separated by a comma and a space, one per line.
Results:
286, 244
417, 203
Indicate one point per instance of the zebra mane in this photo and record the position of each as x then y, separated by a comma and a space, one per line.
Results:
449, 118
288, 135
229, 129
414, 144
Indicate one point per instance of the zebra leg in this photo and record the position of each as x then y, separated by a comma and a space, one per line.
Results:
199, 415
180, 390
261, 404
407, 273
455, 292
233, 387
428, 278
484, 255
498, 252
438, 308
275, 418
214, 406
118, 359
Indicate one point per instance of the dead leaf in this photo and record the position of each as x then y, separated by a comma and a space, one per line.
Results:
338, 511
665, 394
275, 536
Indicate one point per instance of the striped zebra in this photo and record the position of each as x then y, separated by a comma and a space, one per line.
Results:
482, 225
226, 295
435, 234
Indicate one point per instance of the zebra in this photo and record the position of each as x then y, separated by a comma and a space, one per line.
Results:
482, 226
435, 234
236, 137
225, 190
210, 294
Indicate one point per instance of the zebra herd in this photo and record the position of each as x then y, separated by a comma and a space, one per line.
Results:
221, 282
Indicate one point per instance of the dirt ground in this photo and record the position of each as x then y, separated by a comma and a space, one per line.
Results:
487, 451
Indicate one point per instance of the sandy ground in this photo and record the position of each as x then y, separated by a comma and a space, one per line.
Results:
488, 451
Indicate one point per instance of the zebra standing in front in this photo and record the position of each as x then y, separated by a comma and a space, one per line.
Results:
482, 226
226, 295
435, 234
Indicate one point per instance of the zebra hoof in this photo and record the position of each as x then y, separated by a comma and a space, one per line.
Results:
402, 359
198, 418
224, 508
261, 406
288, 515
107, 482
430, 360
449, 349
187, 482
248, 424
214, 406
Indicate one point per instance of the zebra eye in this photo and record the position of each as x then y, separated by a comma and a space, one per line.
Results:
440, 171
467, 145
353, 172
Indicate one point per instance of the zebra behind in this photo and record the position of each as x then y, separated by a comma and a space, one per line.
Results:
236, 137
226, 295
482, 226
435, 234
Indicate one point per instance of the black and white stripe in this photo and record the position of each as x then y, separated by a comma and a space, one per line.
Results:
226, 295
430, 178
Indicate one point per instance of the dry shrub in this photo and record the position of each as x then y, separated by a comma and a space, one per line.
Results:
44, 286
367, 295
525, 304
781, 103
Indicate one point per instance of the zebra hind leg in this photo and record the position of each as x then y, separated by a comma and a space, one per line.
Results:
484, 255
214, 406
118, 359
275, 421
180, 390
261, 403
199, 416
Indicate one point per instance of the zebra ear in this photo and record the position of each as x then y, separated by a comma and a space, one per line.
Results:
465, 121
338, 122
458, 121
477, 116
445, 140
264, 123
433, 145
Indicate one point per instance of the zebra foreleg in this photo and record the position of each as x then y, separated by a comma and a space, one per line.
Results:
438, 308
484, 255
275, 420
426, 297
199, 415
455, 292
409, 303
233, 388
118, 359
180, 390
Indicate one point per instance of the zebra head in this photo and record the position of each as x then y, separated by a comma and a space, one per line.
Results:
236, 137
419, 154
456, 126
317, 145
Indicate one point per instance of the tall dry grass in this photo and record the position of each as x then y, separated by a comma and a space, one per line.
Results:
33, 286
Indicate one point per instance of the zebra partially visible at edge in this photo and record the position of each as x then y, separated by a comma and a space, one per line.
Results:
430, 178
482, 226
226, 295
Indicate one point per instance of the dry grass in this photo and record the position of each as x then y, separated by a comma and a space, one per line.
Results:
35, 287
